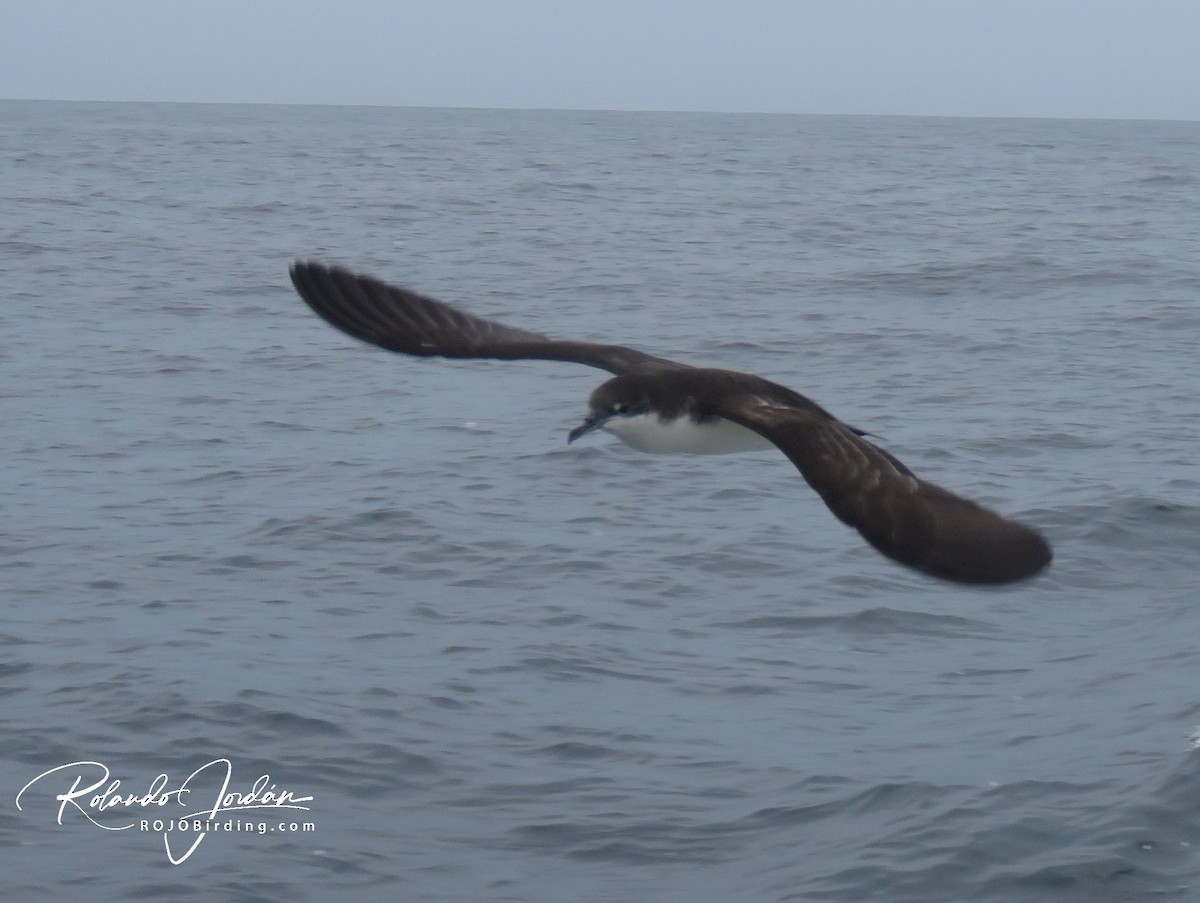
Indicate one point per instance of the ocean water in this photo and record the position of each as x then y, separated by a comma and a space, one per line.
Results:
505, 669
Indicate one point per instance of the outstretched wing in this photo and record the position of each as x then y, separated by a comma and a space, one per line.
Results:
402, 320
916, 523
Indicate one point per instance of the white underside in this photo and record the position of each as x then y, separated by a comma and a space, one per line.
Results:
717, 436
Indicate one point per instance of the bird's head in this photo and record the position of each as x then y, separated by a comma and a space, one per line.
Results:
619, 397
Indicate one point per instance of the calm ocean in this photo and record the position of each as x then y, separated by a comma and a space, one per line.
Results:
503, 669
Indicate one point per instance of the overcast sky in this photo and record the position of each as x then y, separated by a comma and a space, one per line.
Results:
1090, 58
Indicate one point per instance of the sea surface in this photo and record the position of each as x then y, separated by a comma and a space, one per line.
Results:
238, 546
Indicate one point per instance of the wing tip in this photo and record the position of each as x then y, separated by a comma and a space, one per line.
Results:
306, 276
1013, 554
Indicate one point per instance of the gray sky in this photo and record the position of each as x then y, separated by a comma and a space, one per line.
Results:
1091, 58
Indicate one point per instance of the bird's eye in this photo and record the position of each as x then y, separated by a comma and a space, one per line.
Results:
620, 407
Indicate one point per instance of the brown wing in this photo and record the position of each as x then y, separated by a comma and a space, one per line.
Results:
916, 523
402, 320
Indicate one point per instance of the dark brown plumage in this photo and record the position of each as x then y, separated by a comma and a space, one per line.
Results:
909, 520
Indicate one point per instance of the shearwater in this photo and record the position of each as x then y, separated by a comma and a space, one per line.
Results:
657, 405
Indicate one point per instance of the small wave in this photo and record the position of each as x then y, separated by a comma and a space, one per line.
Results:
870, 622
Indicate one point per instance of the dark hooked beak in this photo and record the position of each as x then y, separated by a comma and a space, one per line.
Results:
591, 422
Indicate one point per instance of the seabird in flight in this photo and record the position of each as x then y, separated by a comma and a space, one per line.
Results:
657, 405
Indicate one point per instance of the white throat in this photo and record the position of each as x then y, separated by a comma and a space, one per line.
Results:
716, 436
